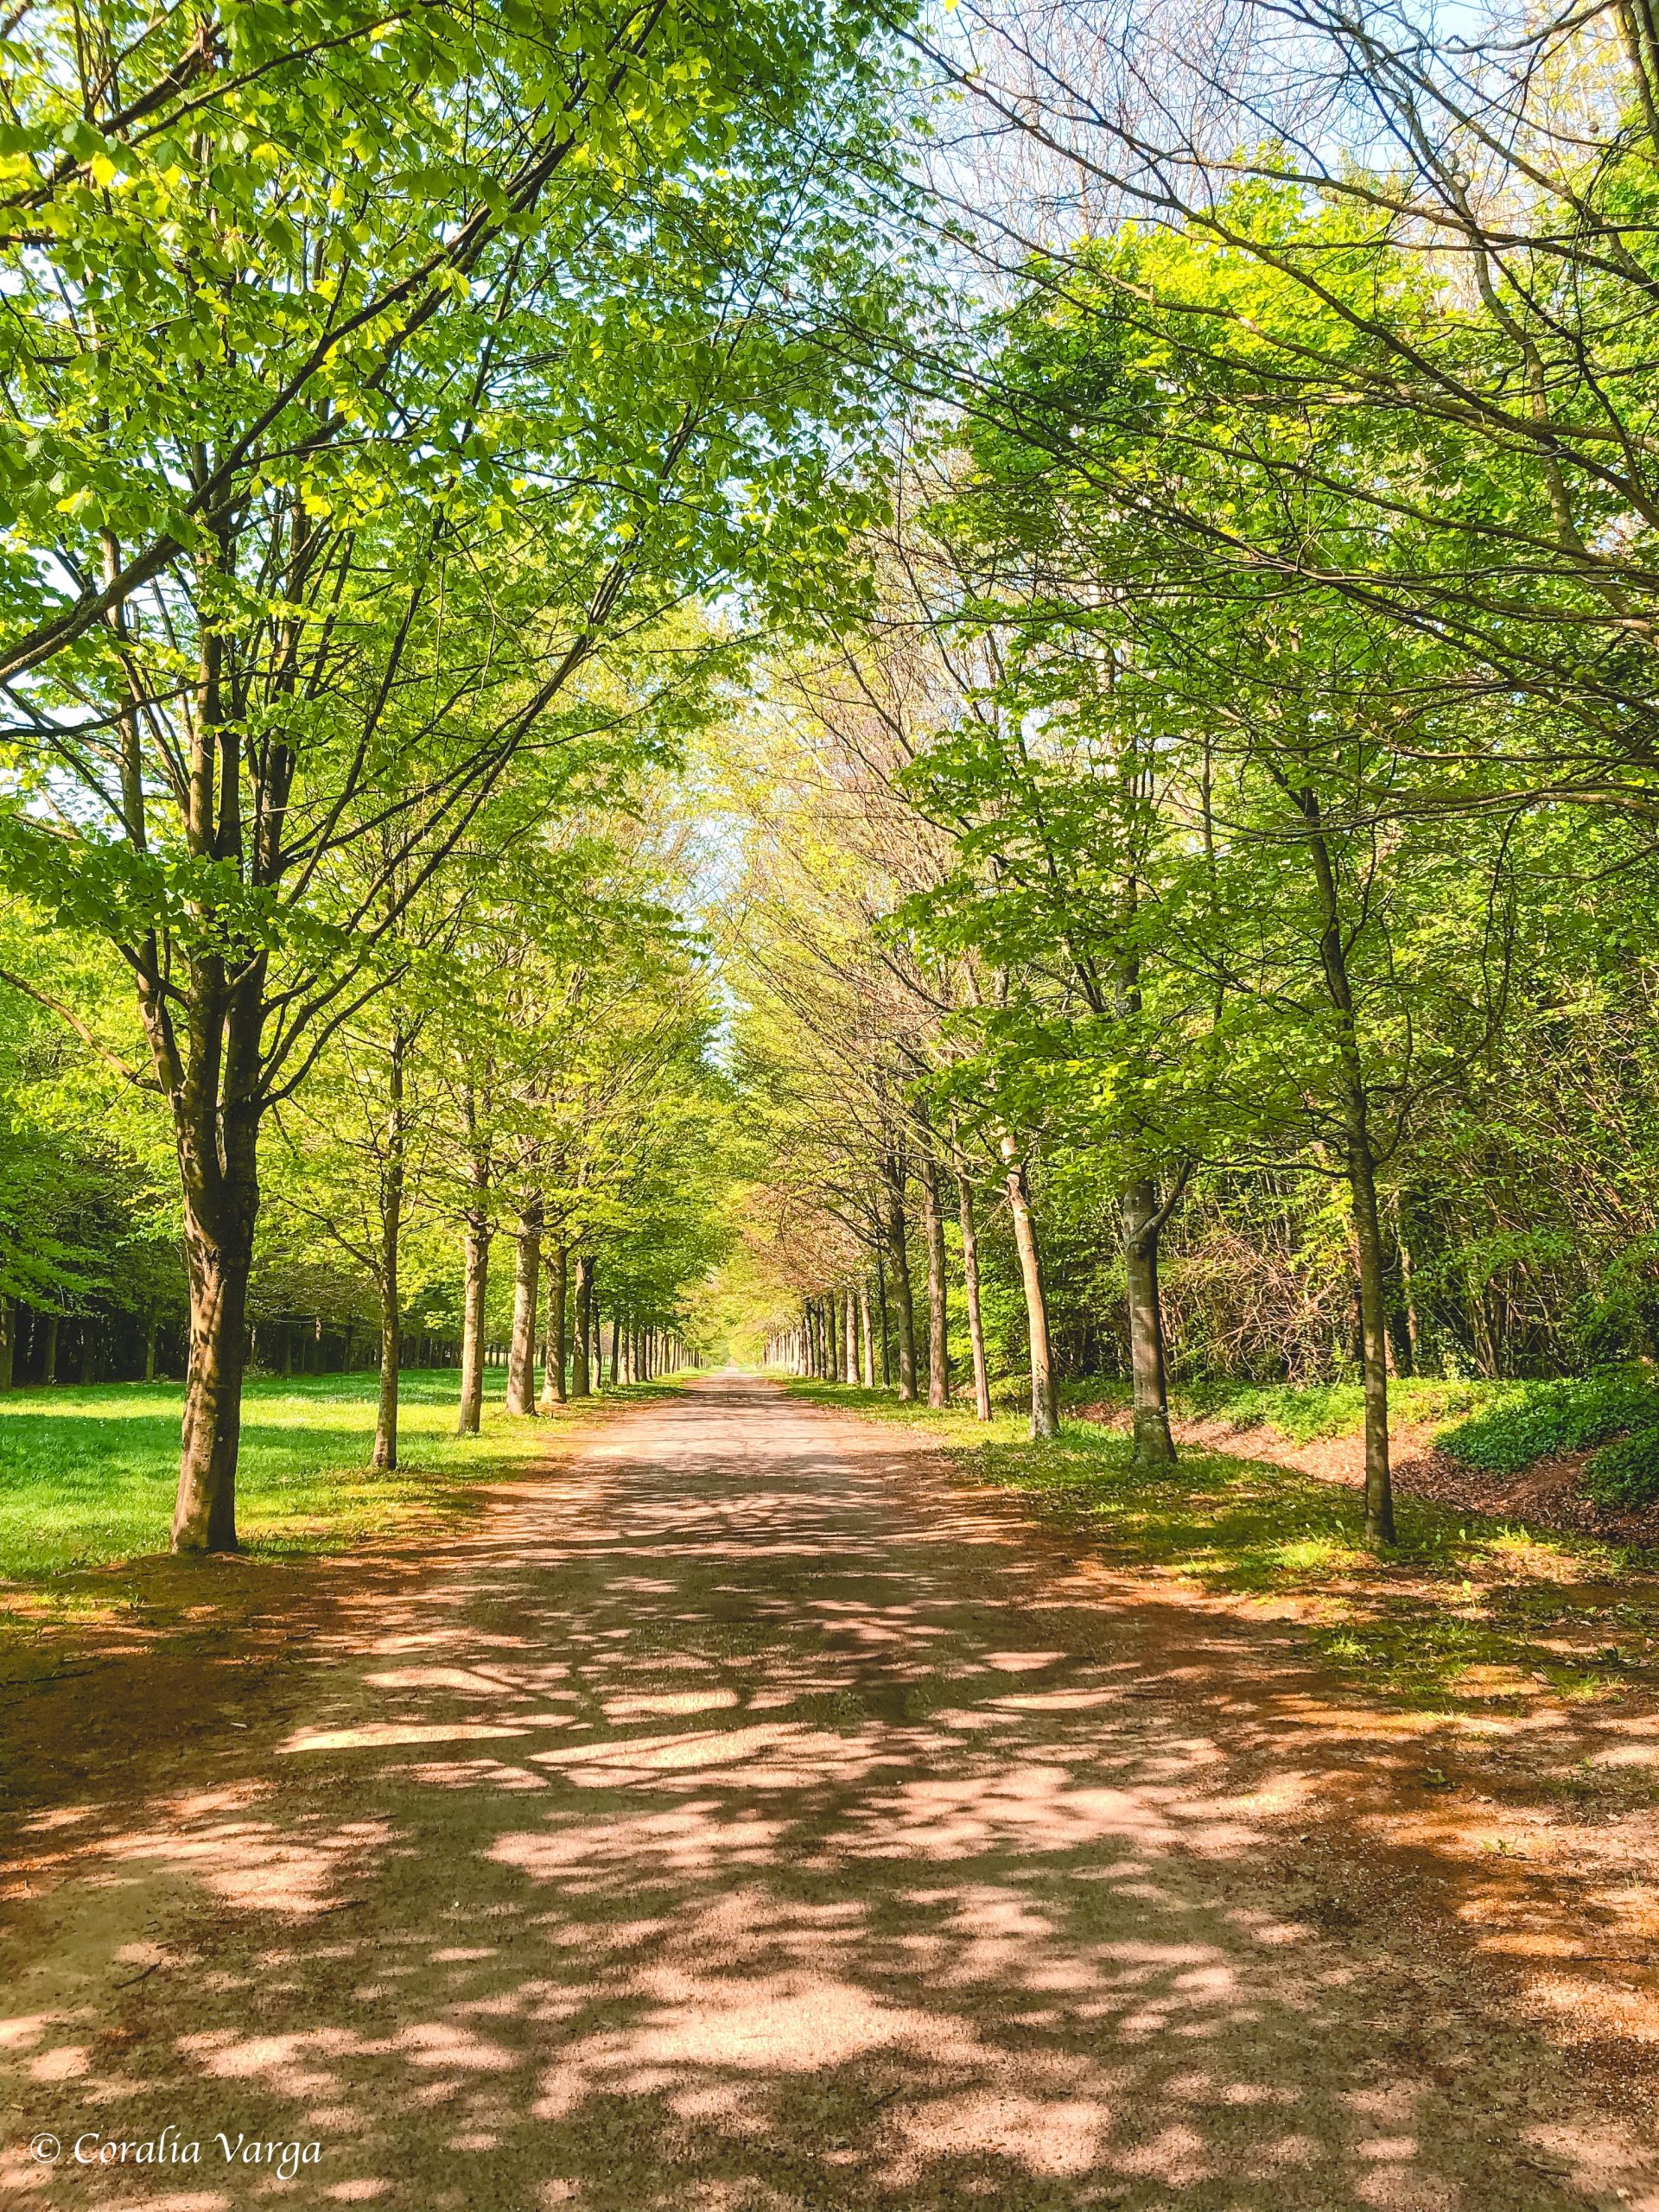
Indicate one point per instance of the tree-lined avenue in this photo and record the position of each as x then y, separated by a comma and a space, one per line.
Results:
750, 1811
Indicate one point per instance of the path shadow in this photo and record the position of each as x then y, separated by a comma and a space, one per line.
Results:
748, 1819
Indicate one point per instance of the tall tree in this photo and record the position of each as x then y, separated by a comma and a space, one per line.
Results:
341, 576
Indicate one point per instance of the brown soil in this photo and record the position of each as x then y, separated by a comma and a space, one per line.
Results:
1547, 1494
750, 1816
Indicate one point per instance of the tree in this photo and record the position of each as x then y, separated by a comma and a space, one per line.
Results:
320, 655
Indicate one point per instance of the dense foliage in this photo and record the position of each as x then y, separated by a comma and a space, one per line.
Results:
1175, 707
1255, 731
378, 393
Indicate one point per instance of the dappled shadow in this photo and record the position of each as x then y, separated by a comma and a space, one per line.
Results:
747, 1817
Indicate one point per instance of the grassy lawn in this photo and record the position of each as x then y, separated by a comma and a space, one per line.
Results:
1467, 1614
87, 1475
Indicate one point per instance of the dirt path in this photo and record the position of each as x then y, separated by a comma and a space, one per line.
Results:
751, 1818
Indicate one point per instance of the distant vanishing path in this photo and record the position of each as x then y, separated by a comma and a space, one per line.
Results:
753, 1817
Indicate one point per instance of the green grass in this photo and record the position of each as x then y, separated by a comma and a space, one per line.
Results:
87, 1475
1307, 1412
1532, 1610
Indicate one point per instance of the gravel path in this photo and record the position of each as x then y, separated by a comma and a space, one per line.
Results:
750, 1816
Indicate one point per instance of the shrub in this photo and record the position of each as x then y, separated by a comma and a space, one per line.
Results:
1625, 1473
1541, 1419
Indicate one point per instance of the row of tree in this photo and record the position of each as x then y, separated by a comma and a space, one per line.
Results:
1299, 585
1195, 820
541, 1075
1236, 813
381, 398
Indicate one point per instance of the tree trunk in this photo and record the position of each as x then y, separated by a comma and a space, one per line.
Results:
616, 1355
203, 1015
1045, 1417
850, 1334
899, 1257
1354, 1107
866, 1343
1408, 1291
1480, 1323
882, 1306
580, 1368
1374, 1321
971, 1285
558, 1277
938, 1340
1149, 1387
472, 1348
203, 1514
391, 1354
391, 1223
1401, 1333
50, 1372
8, 1342
526, 1282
